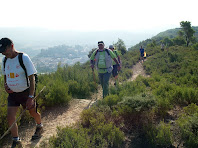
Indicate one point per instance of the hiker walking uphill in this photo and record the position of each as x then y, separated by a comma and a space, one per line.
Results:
102, 58
19, 83
115, 66
141, 54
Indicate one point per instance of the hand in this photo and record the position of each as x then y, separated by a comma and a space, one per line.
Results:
119, 67
7, 89
29, 103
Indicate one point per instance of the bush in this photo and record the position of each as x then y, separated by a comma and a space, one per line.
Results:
57, 93
188, 124
69, 138
138, 103
160, 136
111, 100
136, 111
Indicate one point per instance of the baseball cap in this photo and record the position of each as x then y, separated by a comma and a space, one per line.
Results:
100, 43
4, 42
111, 46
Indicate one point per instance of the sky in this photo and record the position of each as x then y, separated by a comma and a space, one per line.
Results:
98, 15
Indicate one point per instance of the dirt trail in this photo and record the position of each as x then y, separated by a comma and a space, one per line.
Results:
138, 70
62, 116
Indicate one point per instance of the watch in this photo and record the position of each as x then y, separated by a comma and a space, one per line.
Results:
31, 96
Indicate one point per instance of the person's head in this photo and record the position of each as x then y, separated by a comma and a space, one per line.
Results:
111, 47
6, 46
141, 47
100, 44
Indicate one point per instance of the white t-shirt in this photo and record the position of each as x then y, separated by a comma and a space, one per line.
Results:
15, 74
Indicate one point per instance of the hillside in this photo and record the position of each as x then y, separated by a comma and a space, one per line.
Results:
156, 111
171, 33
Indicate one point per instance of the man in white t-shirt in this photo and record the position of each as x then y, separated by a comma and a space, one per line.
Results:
20, 89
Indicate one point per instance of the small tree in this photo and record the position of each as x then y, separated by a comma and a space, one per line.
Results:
90, 52
120, 46
187, 32
167, 41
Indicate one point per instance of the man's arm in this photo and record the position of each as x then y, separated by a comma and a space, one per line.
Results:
30, 101
119, 59
7, 89
115, 60
32, 85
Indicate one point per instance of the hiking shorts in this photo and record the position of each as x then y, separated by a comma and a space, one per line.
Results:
18, 98
142, 54
115, 70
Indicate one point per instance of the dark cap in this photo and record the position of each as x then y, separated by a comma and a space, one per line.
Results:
4, 42
100, 43
111, 47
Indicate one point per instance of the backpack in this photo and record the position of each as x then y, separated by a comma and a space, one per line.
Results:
23, 66
105, 50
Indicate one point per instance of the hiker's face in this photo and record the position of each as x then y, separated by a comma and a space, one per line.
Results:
101, 46
8, 51
111, 49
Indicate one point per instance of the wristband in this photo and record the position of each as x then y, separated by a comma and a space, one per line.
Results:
31, 96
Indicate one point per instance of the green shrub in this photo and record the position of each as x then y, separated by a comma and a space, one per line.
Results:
136, 111
57, 93
163, 106
160, 136
188, 124
111, 100
138, 103
70, 138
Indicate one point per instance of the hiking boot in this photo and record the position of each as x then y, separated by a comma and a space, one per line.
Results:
38, 133
17, 144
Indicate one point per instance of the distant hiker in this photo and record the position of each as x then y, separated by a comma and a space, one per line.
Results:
115, 66
102, 58
162, 47
20, 85
141, 54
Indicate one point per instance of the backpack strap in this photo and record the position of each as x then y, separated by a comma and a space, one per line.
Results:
4, 62
116, 53
20, 57
105, 50
96, 52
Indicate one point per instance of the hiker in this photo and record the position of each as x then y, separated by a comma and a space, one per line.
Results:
21, 88
141, 54
162, 47
115, 66
102, 58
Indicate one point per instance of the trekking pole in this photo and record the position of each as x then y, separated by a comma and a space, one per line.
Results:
20, 115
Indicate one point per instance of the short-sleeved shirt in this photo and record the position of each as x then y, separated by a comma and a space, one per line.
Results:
141, 50
117, 53
101, 61
15, 74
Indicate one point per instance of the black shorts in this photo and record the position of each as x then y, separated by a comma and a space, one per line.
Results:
115, 70
142, 54
18, 98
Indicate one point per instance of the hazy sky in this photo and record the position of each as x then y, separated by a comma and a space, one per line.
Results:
96, 15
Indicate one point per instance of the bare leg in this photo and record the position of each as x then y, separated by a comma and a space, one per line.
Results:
35, 115
11, 119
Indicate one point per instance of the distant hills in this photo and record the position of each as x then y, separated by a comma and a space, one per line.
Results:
48, 59
40, 38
